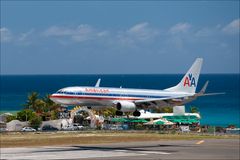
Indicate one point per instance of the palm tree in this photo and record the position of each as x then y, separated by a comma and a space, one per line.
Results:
49, 105
39, 106
167, 110
32, 101
194, 110
50, 109
109, 112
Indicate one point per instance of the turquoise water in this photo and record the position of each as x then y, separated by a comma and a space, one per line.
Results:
218, 110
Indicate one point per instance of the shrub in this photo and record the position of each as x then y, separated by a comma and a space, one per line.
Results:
11, 117
35, 121
54, 115
139, 126
25, 115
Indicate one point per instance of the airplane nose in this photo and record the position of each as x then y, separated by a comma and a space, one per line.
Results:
53, 97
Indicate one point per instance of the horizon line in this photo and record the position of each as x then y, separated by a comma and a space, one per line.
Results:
110, 74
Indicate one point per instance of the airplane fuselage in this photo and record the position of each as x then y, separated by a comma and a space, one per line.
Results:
103, 96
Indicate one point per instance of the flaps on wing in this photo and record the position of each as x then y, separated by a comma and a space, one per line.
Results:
156, 100
149, 100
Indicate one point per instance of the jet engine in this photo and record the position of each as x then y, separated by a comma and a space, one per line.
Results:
126, 106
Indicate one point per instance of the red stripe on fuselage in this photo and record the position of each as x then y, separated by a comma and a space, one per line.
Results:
95, 98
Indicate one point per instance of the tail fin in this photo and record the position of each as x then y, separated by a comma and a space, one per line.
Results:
98, 82
189, 82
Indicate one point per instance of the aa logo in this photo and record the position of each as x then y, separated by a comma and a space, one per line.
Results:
189, 81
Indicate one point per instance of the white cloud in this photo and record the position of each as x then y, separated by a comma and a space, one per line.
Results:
180, 28
25, 36
103, 33
6, 35
80, 33
232, 27
58, 31
141, 27
83, 33
203, 32
142, 31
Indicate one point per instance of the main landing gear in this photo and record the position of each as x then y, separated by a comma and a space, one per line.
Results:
119, 113
135, 113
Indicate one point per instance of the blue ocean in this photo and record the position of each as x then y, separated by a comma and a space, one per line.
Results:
219, 110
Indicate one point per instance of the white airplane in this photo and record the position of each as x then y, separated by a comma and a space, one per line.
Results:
132, 100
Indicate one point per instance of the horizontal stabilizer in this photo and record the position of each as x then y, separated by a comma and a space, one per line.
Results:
213, 94
202, 92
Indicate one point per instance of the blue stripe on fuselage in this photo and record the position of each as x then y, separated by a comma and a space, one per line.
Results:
113, 95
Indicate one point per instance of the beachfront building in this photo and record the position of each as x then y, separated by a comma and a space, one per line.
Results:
171, 118
154, 120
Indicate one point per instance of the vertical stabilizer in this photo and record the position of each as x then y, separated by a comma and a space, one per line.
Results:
189, 82
98, 83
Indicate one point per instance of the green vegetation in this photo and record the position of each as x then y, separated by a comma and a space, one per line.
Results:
164, 110
109, 112
167, 110
35, 122
11, 117
36, 109
33, 102
25, 115
40, 105
194, 110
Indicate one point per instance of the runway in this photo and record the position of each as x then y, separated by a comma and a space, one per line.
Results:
180, 149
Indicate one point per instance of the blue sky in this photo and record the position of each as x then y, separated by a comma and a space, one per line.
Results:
71, 37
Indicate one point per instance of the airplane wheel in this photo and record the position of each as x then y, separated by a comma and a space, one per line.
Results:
136, 113
119, 113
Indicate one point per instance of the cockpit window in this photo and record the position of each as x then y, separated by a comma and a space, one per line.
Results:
67, 92
60, 91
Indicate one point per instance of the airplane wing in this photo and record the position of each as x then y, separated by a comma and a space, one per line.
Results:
154, 99
158, 102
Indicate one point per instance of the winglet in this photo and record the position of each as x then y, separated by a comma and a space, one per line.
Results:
98, 83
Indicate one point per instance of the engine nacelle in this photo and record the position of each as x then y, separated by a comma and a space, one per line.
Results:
126, 106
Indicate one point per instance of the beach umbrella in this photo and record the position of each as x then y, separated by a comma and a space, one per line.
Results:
194, 120
193, 117
148, 123
162, 122
159, 123
138, 121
